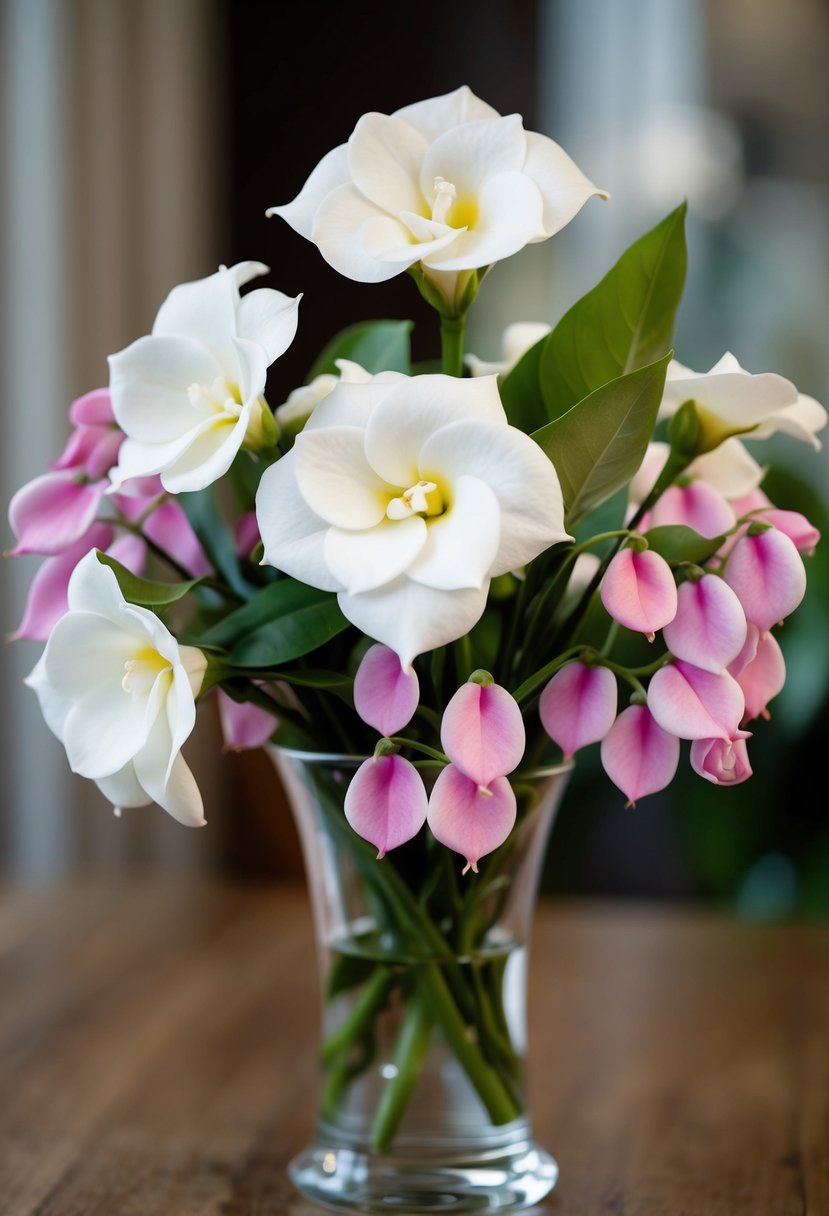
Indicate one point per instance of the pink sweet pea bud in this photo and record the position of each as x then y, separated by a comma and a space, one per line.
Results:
578, 706
52, 512
709, 629
696, 704
244, 725
755, 500
386, 802
748, 651
385, 696
92, 409
763, 677
170, 528
767, 573
638, 590
469, 818
803, 534
638, 755
698, 505
722, 761
482, 731
246, 534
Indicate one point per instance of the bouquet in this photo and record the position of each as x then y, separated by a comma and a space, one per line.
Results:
445, 580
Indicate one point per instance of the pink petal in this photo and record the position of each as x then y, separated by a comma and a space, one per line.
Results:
246, 534
468, 819
53, 512
130, 551
638, 590
709, 629
722, 761
695, 704
748, 651
578, 706
697, 505
638, 755
245, 725
91, 450
46, 602
768, 575
93, 409
756, 500
482, 732
170, 528
803, 534
762, 678
385, 696
386, 802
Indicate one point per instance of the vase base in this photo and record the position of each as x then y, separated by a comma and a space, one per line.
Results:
342, 1179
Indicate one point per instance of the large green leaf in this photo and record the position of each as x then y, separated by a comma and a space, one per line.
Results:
378, 346
283, 622
144, 591
599, 444
624, 323
521, 391
679, 543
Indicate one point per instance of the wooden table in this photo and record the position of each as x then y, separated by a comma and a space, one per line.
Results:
157, 1055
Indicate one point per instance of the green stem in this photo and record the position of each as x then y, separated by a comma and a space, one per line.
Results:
544, 673
372, 998
409, 1053
451, 344
402, 741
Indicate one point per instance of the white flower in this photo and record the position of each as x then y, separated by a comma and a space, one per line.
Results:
119, 692
730, 469
189, 395
730, 401
515, 342
301, 403
406, 496
446, 182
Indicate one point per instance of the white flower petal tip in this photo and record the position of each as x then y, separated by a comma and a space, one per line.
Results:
578, 706
467, 821
482, 733
638, 755
119, 692
386, 802
385, 696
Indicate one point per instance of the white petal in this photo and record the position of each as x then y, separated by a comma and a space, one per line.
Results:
180, 709
347, 228
799, 420
351, 402
509, 217
336, 480
293, 536
208, 457
178, 794
103, 729
331, 172
384, 158
462, 543
365, 560
205, 310
563, 186
729, 469
438, 114
428, 238
470, 155
523, 478
122, 788
53, 707
739, 399
416, 408
149, 382
268, 318
411, 618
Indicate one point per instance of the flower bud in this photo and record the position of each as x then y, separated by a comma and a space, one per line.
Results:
482, 732
385, 696
766, 571
638, 590
763, 677
709, 629
697, 505
722, 761
695, 704
469, 818
244, 725
578, 706
386, 802
638, 755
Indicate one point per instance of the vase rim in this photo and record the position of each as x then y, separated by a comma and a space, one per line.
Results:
296, 753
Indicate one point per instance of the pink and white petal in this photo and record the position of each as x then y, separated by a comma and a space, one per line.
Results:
47, 600
92, 409
564, 188
331, 172
170, 528
412, 618
523, 478
292, 534
638, 590
363, 561
509, 217
386, 802
578, 706
336, 480
340, 233
482, 732
384, 158
122, 788
245, 726
470, 155
803, 534
721, 761
385, 696
709, 629
638, 755
149, 382
52, 512
468, 820
436, 115
762, 678
767, 573
460, 545
268, 318
414, 411
692, 703
748, 652
697, 505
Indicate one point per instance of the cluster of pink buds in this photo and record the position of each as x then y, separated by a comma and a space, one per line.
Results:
57, 515
472, 807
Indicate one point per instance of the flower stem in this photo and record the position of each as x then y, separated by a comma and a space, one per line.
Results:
451, 344
372, 999
409, 1053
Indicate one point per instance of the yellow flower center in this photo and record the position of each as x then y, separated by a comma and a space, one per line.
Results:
448, 209
142, 671
423, 498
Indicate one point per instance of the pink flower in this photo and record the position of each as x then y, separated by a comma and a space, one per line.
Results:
803, 534
244, 725
385, 696
638, 755
697, 505
709, 629
763, 677
692, 703
386, 802
766, 571
170, 528
722, 761
482, 732
638, 590
578, 706
246, 534
469, 818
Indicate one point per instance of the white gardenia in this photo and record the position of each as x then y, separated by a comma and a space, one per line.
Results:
190, 395
733, 401
406, 496
516, 340
301, 402
446, 182
119, 692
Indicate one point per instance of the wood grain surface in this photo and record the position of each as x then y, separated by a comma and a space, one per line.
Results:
157, 1047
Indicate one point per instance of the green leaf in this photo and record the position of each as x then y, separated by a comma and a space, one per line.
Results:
145, 591
215, 538
271, 602
378, 346
624, 323
679, 543
283, 622
521, 391
599, 444
308, 677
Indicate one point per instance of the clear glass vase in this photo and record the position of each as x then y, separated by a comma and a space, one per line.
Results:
423, 972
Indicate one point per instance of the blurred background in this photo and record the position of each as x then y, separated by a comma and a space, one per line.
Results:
142, 141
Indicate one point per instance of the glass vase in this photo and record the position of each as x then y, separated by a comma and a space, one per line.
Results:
423, 972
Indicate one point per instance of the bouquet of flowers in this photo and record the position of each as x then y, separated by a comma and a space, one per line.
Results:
445, 581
